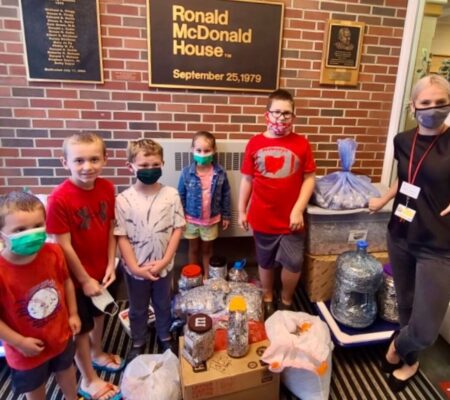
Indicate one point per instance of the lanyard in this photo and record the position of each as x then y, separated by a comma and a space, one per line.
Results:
412, 176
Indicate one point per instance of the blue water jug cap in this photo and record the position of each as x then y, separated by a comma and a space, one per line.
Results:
240, 264
362, 244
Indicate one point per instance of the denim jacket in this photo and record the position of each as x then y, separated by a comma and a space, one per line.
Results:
190, 190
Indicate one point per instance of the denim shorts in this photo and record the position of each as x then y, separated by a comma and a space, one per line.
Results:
206, 233
285, 249
25, 381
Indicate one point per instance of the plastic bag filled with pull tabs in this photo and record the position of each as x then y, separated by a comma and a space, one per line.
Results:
344, 190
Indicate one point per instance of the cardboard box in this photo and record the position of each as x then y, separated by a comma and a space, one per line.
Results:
319, 272
227, 378
335, 231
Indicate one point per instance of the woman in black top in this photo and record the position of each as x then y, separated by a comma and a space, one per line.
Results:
419, 229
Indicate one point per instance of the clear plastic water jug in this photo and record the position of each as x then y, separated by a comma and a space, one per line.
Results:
358, 277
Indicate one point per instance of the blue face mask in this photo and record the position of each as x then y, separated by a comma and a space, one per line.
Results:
27, 242
149, 176
432, 117
203, 159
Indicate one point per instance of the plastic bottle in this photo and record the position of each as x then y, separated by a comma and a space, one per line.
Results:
198, 339
217, 267
237, 273
191, 277
358, 277
237, 327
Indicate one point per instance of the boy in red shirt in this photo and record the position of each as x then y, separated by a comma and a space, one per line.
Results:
38, 311
80, 216
278, 180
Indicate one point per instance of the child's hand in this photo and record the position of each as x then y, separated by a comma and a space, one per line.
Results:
74, 324
91, 287
296, 222
242, 219
30, 347
110, 276
145, 272
156, 266
225, 224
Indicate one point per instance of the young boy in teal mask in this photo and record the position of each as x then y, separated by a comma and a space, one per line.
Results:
205, 194
38, 312
149, 224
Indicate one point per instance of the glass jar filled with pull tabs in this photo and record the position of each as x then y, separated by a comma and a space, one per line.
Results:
217, 267
191, 277
237, 334
198, 339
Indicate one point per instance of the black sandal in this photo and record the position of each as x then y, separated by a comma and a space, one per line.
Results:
397, 385
385, 365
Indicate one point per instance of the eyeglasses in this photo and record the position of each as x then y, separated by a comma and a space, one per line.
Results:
287, 115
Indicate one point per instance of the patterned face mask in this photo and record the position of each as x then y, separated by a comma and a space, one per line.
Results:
432, 117
278, 128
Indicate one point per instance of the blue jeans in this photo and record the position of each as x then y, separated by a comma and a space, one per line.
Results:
421, 279
139, 293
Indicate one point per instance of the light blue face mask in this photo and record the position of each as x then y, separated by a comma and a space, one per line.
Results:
27, 242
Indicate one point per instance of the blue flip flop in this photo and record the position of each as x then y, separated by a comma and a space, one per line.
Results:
111, 360
108, 387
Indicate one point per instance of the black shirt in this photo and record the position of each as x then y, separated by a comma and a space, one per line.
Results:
428, 229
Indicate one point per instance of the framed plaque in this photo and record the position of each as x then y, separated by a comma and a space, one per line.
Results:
342, 53
62, 40
215, 44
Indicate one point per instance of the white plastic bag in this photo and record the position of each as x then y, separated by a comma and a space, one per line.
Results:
300, 348
152, 377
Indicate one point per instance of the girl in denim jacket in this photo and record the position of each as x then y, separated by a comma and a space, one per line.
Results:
205, 195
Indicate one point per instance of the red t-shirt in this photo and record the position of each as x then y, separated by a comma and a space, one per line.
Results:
277, 166
87, 215
33, 303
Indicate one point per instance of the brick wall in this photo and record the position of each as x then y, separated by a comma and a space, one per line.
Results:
35, 117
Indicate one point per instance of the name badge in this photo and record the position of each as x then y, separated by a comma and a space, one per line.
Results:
410, 190
405, 213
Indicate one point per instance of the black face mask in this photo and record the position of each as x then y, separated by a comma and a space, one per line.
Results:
149, 176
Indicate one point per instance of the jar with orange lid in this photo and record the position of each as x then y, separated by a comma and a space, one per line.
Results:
191, 277
237, 327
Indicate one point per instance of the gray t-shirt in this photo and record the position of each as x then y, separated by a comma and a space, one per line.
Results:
148, 221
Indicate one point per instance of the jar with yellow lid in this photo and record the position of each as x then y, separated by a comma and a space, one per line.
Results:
237, 327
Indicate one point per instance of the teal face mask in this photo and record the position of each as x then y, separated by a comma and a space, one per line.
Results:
203, 159
27, 242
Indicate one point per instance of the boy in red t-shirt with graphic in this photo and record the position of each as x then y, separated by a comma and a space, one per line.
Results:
80, 216
277, 183
38, 311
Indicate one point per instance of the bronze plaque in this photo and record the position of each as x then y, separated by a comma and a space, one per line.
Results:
62, 40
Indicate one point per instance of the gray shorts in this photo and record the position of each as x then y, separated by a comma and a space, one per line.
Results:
285, 249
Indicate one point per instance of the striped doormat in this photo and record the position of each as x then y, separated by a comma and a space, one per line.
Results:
355, 376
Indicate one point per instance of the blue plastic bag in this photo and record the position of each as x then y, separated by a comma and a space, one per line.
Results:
343, 190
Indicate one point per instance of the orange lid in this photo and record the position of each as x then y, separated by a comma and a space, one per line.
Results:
191, 270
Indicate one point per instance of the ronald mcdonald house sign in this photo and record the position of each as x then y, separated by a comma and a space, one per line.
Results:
214, 44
